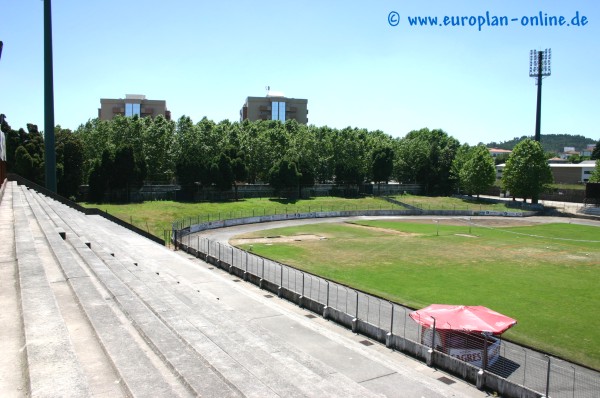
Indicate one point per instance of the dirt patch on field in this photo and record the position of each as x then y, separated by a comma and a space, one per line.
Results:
486, 222
276, 239
466, 235
386, 230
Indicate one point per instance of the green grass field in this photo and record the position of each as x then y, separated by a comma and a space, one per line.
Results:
547, 276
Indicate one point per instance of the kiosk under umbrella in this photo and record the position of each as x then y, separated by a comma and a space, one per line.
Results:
468, 333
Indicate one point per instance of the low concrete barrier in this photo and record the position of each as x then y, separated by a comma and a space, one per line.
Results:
2, 188
183, 231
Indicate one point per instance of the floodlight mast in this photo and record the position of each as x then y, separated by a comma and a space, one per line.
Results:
539, 67
50, 151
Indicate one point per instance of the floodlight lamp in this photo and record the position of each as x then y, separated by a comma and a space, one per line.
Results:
539, 63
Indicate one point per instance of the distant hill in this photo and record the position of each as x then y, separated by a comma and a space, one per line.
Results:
550, 142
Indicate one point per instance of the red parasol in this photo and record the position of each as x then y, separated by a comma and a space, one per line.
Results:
463, 318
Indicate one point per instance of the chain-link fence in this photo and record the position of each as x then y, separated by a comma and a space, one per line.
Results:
530, 371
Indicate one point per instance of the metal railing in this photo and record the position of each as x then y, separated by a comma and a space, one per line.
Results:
381, 319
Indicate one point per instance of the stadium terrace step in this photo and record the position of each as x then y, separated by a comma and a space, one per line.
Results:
178, 304
190, 369
246, 351
12, 382
52, 367
127, 350
183, 320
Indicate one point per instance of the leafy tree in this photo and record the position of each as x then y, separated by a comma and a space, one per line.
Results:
238, 167
192, 156
527, 173
425, 156
348, 173
222, 172
382, 161
69, 159
349, 151
595, 177
478, 172
25, 153
13, 141
503, 157
158, 147
24, 164
411, 160
596, 152
307, 171
284, 177
304, 151
99, 180
190, 172
382, 164
576, 158
128, 171
97, 137
463, 154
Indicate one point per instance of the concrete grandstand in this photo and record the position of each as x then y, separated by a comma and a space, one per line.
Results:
93, 309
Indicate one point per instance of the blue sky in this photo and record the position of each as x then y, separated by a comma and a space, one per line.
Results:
204, 58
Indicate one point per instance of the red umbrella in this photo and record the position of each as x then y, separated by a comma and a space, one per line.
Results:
463, 318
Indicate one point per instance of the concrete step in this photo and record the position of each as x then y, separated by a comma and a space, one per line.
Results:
141, 372
269, 359
272, 365
52, 367
143, 280
12, 382
102, 377
200, 377
253, 359
311, 375
190, 368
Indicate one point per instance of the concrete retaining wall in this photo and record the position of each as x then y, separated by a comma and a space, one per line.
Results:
349, 213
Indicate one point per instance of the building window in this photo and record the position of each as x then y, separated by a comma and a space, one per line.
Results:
278, 111
132, 109
587, 172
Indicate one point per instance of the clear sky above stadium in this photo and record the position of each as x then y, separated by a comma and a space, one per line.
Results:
356, 69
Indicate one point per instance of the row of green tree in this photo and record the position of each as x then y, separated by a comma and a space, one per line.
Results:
286, 155
25, 156
122, 153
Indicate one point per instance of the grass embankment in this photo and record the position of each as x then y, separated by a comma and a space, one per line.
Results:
548, 284
157, 216
450, 203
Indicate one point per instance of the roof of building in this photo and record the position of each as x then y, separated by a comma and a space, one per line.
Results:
498, 150
560, 165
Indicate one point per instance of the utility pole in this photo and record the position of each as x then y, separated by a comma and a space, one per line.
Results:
50, 153
539, 67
